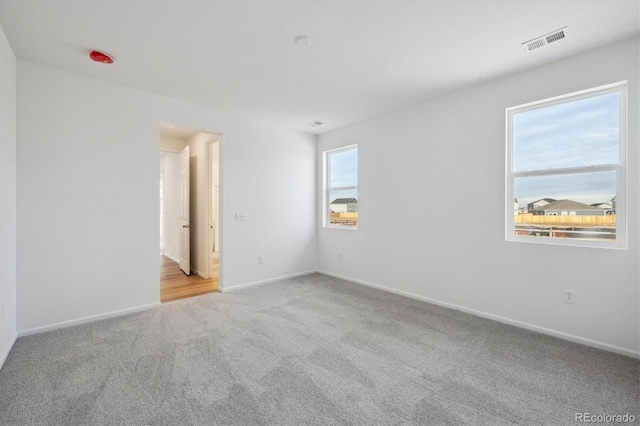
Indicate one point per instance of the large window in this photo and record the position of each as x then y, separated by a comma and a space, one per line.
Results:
341, 187
566, 169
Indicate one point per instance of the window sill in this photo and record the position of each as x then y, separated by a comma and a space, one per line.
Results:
347, 227
617, 245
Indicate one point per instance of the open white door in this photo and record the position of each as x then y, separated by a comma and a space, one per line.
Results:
185, 231
216, 219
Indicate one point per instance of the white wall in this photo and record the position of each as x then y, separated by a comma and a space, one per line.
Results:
88, 151
451, 152
170, 168
7, 197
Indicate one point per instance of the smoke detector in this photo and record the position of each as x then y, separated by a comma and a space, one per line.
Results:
315, 123
552, 37
103, 58
303, 41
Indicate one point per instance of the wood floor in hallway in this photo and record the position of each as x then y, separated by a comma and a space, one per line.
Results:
175, 284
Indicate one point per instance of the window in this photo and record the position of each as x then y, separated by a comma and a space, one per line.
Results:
566, 169
341, 187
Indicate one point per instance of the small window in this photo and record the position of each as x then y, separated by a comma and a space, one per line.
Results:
566, 169
341, 188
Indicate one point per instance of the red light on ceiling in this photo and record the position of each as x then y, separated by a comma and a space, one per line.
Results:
100, 57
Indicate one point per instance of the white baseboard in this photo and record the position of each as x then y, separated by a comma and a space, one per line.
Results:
270, 280
172, 258
4, 356
198, 273
65, 324
555, 333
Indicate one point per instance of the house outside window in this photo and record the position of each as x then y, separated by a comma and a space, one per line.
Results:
566, 167
340, 206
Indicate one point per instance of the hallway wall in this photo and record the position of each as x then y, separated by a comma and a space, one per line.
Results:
88, 150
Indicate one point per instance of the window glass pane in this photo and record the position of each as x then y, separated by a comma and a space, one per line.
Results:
578, 206
343, 207
573, 134
344, 168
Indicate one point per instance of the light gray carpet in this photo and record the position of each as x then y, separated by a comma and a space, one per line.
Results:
309, 350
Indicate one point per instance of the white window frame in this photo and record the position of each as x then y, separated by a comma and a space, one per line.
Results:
620, 169
326, 205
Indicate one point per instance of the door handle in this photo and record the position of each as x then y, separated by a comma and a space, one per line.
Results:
186, 226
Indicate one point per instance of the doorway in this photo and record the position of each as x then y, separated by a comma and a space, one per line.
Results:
190, 219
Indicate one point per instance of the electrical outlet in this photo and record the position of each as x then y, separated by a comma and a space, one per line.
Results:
340, 256
241, 216
260, 259
569, 296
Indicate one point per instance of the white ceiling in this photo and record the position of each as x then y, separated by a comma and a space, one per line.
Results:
366, 57
176, 132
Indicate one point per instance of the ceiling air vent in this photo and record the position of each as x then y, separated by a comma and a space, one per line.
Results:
315, 123
545, 39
